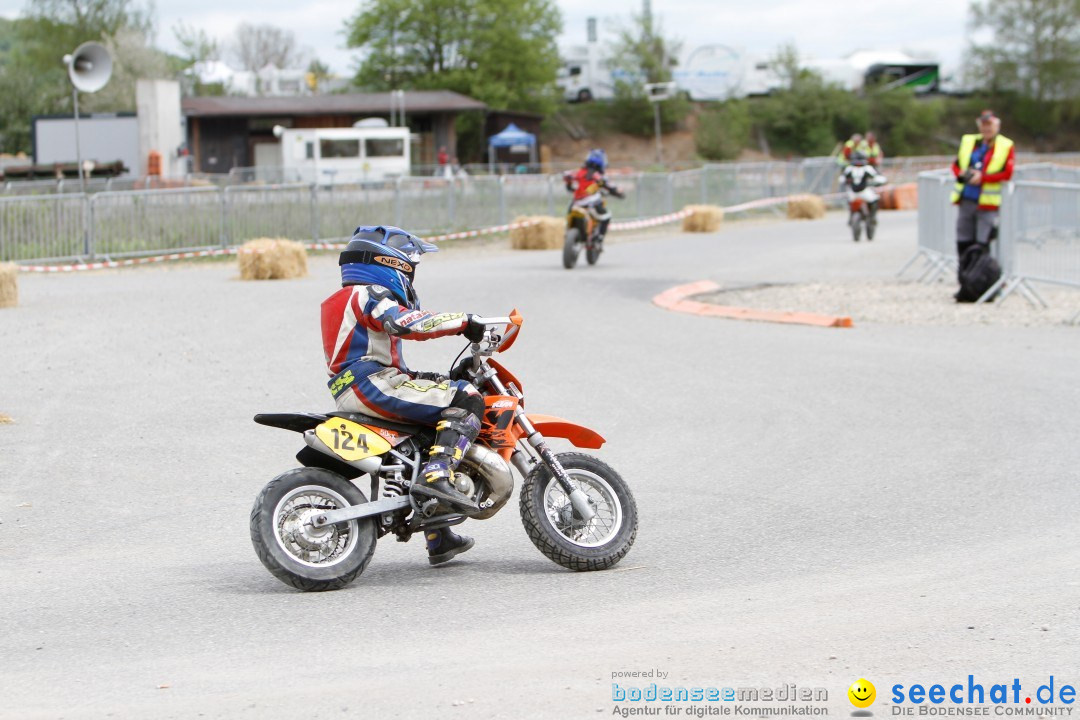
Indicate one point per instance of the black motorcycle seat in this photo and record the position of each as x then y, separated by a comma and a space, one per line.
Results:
363, 419
302, 422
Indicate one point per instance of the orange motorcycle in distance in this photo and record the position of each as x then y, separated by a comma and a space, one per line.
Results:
582, 228
314, 528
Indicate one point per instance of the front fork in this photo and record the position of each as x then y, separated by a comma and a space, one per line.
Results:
535, 450
583, 510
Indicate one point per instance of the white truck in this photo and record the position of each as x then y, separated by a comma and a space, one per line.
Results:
329, 156
720, 72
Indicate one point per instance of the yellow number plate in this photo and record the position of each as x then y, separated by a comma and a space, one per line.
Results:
351, 441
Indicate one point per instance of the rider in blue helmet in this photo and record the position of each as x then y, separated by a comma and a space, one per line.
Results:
587, 183
363, 325
596, 160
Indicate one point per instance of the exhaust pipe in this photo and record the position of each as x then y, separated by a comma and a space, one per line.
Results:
494, 471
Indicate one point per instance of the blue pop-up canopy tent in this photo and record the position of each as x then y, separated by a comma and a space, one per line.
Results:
512, 137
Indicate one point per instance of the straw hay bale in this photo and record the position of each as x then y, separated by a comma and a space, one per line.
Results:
703, 218
272, 259
9, 285
6, 419
546, 233
805, 207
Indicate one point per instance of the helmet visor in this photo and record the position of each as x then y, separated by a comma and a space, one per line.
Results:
411, 246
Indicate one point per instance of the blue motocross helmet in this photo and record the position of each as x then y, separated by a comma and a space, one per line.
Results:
597, 160
387, 256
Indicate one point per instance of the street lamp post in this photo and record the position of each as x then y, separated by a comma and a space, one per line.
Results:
657, 93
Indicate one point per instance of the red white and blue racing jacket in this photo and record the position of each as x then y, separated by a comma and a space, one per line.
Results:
362, 330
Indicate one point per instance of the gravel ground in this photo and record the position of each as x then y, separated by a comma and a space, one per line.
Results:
899, 303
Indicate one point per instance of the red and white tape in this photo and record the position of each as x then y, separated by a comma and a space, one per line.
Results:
440, 238
108, 264
650, 222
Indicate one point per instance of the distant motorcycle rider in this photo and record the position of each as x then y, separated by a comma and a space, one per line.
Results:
363, 325
858, 176
586, 183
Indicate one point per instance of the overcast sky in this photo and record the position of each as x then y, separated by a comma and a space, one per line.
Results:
823, 29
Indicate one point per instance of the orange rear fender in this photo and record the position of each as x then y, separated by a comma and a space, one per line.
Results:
579, 435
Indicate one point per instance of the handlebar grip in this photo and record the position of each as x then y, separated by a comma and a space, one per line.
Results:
491, 320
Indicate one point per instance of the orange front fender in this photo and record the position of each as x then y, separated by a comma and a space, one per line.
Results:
579, 435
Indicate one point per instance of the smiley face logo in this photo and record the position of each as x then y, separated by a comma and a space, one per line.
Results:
861, 693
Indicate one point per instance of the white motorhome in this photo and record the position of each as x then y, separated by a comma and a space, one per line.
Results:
585, 74
329, 156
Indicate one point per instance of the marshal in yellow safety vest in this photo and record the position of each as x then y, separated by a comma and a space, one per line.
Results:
997, 167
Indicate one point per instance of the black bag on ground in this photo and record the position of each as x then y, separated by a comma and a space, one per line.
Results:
978, 273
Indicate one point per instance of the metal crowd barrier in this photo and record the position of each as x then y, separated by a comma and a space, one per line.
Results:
936, 226
1039, 238
1038, 234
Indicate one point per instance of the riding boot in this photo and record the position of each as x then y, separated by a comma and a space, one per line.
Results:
443, 544
454, 434
602, 233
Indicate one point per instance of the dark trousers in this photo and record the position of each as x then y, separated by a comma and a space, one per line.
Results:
974, 226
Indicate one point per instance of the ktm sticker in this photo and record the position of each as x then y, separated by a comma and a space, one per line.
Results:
350, 441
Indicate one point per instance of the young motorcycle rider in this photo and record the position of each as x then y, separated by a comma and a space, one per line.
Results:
363, 325
858, 176
586, 184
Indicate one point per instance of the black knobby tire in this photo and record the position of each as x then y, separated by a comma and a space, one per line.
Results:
571, 247
871, 227
856, 226
285, 566
556, 547
592, 253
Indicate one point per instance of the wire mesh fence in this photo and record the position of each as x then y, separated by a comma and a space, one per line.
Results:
118, 218
43, 227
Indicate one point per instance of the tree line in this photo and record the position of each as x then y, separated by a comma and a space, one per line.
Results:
504, 53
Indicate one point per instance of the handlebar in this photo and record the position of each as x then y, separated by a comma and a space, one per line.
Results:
492, 320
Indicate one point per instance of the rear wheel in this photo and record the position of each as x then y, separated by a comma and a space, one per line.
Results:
571, 247
556, 531
296, 552
592, 252
871, 225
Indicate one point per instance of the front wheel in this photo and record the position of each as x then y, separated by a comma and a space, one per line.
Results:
856, 226
571, 247
299, 554
554, 529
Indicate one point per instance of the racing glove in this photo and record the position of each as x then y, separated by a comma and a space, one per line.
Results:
474, 331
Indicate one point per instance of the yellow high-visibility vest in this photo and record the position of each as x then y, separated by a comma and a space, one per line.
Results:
989, 193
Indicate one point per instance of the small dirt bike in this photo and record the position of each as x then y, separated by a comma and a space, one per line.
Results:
583, 230
314, 529
862, 203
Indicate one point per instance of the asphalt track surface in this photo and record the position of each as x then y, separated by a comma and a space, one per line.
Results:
817, 505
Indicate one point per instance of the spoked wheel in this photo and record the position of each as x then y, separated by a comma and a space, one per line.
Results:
565, 538
294, 550
571, 248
